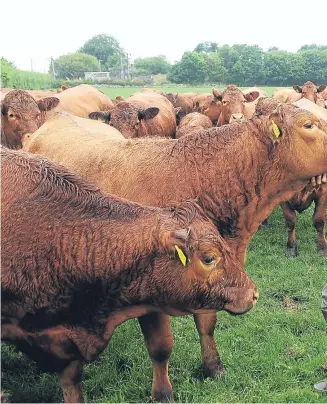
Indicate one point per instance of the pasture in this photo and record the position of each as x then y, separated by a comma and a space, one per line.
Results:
274, 353
112, 92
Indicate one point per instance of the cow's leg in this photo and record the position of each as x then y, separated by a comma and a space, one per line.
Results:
205, 324
319, 222
159, 342
290, 218
70, 379
264, 224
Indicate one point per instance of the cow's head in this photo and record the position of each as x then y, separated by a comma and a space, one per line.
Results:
127, 118
21, 114
233, 104
203, 272
310, 91
299, 138
211, 108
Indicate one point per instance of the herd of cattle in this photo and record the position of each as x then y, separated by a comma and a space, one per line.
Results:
145, 211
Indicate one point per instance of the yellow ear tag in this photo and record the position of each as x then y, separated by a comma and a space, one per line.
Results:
275, 129
181, 255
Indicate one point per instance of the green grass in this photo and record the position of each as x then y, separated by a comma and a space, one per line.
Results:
274, 353
112, 92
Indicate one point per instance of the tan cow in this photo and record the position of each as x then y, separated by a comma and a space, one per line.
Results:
309, 91
193, 123
79, 130
238, 172
143, 114
82, 100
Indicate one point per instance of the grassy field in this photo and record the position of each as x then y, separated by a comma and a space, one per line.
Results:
274, 353
127, 91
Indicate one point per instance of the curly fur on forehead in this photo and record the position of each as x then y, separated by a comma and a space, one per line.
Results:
231, 88
309, 84
266, 105
232, 91
20, 102
125, 111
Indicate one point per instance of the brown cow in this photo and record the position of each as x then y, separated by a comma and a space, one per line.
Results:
208, 105
260, 170
143, 114
21, 114
315, 192
76, 263
234, 104
309, 91
193, 123
183, 101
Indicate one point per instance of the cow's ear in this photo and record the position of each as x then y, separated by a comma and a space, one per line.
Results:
321, 88
174, 243
148, 113
298, 89
3, 110
102, 116
275, 130
217, 94
251, 96
48, 103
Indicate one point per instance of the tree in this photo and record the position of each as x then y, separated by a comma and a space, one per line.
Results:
206, 47
248, 68
106, 49
152, 65
315, 65
312, 47
192, 69
216, 72
73, 65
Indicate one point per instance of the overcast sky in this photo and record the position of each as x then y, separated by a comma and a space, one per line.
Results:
35, 30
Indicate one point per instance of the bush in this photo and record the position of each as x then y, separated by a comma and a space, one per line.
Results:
15, 78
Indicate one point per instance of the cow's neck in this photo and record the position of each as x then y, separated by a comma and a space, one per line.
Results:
241, 190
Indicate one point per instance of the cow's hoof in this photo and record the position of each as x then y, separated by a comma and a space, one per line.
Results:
214, 372
163, 397
291, 252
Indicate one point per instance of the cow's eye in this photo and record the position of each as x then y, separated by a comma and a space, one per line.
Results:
308, 125
12, 116
208, 260
224, 102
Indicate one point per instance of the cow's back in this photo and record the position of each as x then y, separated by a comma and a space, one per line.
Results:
82, 100
72, 141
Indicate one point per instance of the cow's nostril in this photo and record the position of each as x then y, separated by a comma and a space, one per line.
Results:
255, 295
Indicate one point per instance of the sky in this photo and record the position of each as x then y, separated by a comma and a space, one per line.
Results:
33, 31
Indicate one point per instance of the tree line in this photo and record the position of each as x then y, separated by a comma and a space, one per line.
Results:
209, 63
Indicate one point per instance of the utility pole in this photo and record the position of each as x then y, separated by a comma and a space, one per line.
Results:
100, 64
121, 67
128, 72
53, 69
31, 64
